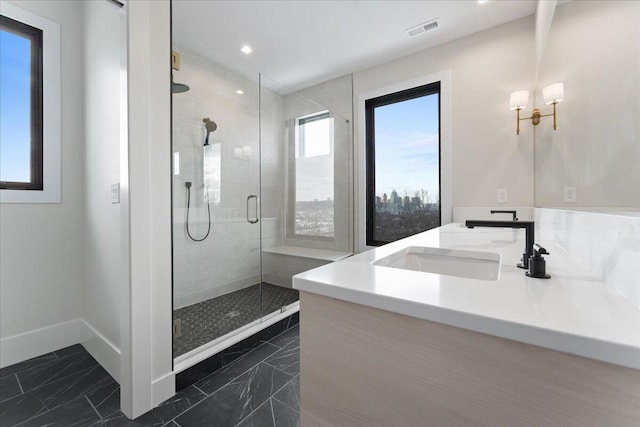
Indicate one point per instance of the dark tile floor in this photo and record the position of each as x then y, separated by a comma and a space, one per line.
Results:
69, 388
207, 320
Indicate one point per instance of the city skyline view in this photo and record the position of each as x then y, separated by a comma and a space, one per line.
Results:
407, 168
425, 195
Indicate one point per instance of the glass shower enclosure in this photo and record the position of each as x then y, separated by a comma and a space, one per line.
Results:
217, 223
261, 190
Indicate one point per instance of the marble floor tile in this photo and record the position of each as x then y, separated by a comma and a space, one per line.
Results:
197, 372
236, 351
77, 413
283, 415
287, 359
261, 417
106, 399
272, 414
64, 352
215, 381
28, 364
172, 407
116, 420
68, 388
235, 401
59, 368
9, 387
52, 395
290, 394
287, 338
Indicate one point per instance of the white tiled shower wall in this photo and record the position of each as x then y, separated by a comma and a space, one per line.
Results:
229, 259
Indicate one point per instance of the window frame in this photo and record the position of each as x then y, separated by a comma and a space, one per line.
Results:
370, 105
35, 37
51, 106
298, 144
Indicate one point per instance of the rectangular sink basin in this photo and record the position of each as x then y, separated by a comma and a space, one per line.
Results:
450, 262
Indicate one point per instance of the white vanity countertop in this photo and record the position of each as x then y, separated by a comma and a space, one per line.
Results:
573, 312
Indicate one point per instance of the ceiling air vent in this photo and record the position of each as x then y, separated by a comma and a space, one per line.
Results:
424, 27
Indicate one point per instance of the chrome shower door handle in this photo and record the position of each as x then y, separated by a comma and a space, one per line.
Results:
252, 221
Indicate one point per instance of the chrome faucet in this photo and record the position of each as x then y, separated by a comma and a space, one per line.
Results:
528, 228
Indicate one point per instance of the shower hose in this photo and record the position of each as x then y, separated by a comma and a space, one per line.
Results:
188, 184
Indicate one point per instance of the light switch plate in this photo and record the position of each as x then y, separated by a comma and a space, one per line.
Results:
502, 195
115, 193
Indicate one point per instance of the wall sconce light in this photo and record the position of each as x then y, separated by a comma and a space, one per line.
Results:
551, 95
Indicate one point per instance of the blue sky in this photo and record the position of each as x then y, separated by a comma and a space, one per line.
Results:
15, 116
407, 155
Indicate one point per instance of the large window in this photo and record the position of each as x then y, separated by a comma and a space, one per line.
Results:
403, 164
314, 183
21, 112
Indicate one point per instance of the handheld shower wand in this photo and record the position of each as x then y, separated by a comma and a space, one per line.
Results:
209, 126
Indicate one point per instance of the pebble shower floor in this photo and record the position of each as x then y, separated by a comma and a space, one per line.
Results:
207, 320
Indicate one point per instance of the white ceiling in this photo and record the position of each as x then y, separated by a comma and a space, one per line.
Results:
301, 43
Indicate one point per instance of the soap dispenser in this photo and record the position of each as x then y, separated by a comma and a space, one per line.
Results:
537, 264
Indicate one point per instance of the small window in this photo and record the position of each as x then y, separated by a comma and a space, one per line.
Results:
403, 164
314, 184
21, 110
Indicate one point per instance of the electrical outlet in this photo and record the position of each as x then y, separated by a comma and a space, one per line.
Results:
502, 195
570, 194
115, 193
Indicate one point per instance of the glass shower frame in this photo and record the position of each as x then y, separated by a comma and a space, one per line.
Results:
252, 143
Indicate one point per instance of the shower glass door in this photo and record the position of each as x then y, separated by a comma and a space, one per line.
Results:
262, 186
216, 201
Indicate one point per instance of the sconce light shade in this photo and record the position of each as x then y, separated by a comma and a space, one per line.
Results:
519, 100
553, 94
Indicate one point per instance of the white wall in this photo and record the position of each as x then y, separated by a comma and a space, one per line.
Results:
102, 290
146, 369
594, 49
485, 68
41, 245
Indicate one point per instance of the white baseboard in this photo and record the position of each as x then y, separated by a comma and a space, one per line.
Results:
18, 348
163, 388
21, 347
103, 350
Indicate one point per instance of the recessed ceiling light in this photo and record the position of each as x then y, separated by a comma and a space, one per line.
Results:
483, 1
246, 49
240, 92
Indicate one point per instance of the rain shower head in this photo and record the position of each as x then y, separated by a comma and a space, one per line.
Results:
178, 87
209, 126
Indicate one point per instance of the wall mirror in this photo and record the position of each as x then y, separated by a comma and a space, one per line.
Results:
593, 48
